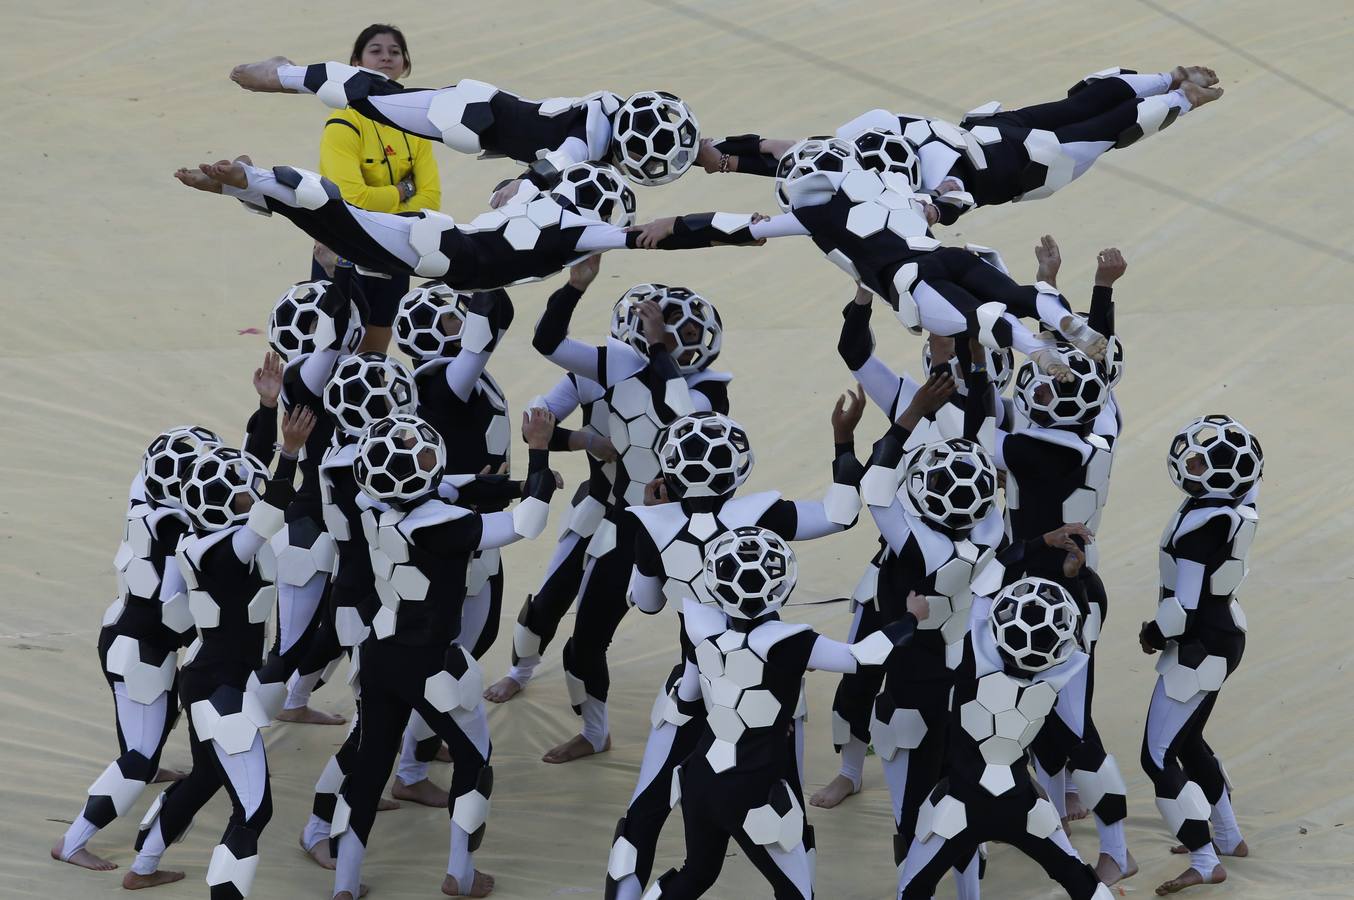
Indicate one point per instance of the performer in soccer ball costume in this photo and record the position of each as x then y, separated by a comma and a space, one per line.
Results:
363, 389
150, 620
1069, 753
995, 156
421, 546
651, 136
543, 610
451, 336
661, 373
705, 458
876, 229
748, 667
304, 552
1020, 652
231, 598
1200, 631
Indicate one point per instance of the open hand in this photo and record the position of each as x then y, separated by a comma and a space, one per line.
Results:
1050, 259
268, 379
846, 414
296, 428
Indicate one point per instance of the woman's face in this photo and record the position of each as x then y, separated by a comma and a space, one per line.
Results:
383, 54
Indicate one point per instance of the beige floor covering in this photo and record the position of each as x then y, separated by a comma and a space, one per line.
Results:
124, 297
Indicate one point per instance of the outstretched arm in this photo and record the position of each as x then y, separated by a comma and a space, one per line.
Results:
834, 656
478, 340
882, 385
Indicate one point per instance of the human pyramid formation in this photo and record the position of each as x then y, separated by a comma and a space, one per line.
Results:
972, 644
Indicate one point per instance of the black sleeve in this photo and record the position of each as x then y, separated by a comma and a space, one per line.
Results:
553, 327
455, 537
747, 149
648, 561
540, 481
1102, 310
949, 212
856, 343
846, 467
495, 306
718, 394
260, 433
782, 518
297, 392
696, 230
792, 654
489, 490
1205, 543
980, 404
559, 439
888, 450
279, 490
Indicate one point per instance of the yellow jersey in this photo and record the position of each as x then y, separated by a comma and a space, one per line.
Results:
367, 160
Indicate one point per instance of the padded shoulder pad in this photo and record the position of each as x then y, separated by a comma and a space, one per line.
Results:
1200, 516
662, 522
429, 513
195, 547
748, 509
769, 634
702, 622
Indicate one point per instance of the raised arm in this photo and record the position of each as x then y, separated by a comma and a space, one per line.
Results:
266, 518
260, 432
855, 345
1110, 267
485, 322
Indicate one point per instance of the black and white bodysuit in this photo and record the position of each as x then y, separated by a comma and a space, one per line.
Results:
460, 399
541, 613
1021, 154
910, 724
1200, 630
138, 645
641, 396
411, 662
231, 595
734, 784
987, 793
874, 229
669, 553
469, 116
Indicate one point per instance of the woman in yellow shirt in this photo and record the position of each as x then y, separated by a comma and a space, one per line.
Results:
381, 169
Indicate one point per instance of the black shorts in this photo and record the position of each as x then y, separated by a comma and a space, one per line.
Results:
380, 296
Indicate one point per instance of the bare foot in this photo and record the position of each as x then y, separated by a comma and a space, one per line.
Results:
304, 715
1076, 810
1200, 75
834, 792
1198, 96
422, 792
503, 690
228, 172
1052, 363
574, 748
385, 804
1189, 878
482, 887
134, 882
163, 775
199, 181
83, 858
320, 853
1108, 871
443, 754
1239, 850
260, 76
